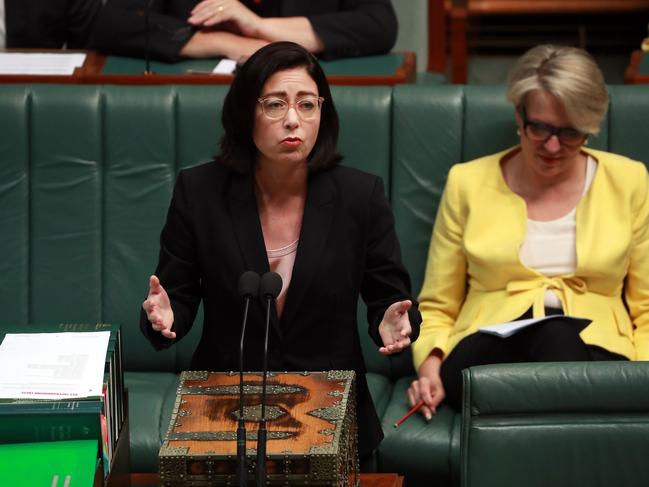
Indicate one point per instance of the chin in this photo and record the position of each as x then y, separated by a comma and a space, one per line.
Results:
292, 158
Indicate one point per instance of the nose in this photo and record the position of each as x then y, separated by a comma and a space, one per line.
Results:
291, 120
552, 144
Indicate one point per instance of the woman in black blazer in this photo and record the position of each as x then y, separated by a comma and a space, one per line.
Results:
275, 199
236, 28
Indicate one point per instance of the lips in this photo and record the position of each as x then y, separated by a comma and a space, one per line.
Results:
291, 142
549, 160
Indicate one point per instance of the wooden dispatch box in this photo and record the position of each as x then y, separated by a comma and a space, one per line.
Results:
310, 419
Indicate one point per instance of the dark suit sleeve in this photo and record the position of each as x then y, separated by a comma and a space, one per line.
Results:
50, 24
80, 20
120, 29
385, 280
177, 268
358, 28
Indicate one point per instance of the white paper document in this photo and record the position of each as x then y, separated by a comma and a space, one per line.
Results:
509, 328
52, 365
35, 63
225, 66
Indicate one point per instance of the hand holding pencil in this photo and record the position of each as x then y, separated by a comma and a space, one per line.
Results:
426, 392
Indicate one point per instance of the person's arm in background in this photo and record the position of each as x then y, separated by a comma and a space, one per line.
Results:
79, 22
211, 28
227, 28
356, 28
120, 30
359, 28
440, 299
52, 24
217, 43
637, 279
248, 25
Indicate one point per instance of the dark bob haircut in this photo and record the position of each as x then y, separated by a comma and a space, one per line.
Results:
238, 149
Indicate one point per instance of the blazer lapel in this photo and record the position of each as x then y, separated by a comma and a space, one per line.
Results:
242, 206
244, 213
316, 225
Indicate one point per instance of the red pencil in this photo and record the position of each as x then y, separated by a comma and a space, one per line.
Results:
415, 408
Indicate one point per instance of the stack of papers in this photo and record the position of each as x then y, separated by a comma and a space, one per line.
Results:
225, 66
52, 365
35, 63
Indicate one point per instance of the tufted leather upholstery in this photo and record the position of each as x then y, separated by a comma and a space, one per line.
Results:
559, 424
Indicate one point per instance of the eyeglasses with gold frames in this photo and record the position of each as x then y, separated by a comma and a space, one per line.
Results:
306, 107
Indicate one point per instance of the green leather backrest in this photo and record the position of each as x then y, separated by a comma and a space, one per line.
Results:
86, 176
628, 130
570, 423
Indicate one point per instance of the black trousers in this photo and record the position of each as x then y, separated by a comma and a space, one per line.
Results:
554, 340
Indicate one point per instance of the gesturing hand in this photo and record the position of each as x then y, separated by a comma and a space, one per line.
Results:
158, 309
395, 328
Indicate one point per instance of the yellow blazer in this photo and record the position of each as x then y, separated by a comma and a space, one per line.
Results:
474, 275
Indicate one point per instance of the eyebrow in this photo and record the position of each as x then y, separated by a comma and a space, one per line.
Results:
285, 95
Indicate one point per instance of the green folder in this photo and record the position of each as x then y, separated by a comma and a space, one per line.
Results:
50, 464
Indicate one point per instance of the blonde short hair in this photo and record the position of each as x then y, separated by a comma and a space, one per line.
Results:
568, 73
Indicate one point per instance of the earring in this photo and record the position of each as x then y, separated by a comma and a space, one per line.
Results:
586, 141
518, 132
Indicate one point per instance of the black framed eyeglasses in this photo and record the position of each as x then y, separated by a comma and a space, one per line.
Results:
275, 108
541, 132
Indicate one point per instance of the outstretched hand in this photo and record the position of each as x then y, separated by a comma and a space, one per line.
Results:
395, 328
158, 309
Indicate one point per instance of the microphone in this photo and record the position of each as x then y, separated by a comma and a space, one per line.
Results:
248, 289
269, 287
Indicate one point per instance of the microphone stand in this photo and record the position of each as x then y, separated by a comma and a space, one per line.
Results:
242, 470
270, 287
248, 288
147, 62
261, 433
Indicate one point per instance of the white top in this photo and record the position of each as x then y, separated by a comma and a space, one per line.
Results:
550, 247
281, 261
3, 26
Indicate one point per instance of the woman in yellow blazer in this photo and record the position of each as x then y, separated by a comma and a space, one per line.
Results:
546, 227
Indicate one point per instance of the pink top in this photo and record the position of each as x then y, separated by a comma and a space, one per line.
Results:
281, 261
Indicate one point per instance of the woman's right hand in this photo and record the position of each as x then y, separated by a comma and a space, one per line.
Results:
428, 387
158, 309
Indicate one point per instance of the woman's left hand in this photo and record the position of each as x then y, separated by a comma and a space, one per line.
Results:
209, 13
395, 328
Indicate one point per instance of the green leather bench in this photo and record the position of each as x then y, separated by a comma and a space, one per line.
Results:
86, 175
558, 424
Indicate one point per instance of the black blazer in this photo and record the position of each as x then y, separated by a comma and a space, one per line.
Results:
346, 27
50, 24
347, 246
